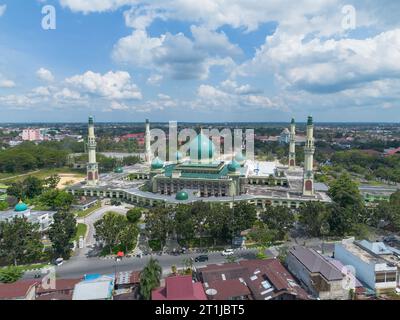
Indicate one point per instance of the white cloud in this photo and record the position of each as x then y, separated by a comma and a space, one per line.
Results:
45, 75
112, 85
7, 84
154, 79
328, 66
88, 6
215, 43
3, 9
229, 97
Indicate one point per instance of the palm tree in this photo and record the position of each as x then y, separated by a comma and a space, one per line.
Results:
150, 278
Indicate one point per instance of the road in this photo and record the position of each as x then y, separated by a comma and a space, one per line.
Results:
83, 263
77, 266
95, 216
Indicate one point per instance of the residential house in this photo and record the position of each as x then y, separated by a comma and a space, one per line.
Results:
94, 287
250, 280
20, 290
375, 264
322, 279
62, 290
179, 288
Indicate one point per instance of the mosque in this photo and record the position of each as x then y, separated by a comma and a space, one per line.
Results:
203, 176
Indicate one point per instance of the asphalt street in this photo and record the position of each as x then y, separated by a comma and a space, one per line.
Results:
82, 263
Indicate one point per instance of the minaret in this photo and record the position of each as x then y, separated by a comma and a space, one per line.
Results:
309, 149
148, 142
292, 145
92, 166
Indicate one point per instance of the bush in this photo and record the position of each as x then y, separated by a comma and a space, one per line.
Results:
134, 215
10, 274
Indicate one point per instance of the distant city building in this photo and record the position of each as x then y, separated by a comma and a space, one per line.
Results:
32, 135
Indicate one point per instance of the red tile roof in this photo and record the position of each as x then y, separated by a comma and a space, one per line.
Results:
60, 285
228, 289
17, 290
264, 278
180, 288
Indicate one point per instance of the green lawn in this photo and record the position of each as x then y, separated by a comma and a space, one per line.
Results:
28, 267
41, 174
81, 231
85, 213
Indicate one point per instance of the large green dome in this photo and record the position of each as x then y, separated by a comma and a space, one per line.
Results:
182, 196
157, 163
240, 158
201, 148
233, 166
20, 207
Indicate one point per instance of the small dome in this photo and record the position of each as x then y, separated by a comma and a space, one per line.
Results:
157, 163
202, 148
233, 166
20, 207
240, 157
182, 196
119, 170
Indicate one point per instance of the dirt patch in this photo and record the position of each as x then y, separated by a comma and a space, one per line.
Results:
67, 179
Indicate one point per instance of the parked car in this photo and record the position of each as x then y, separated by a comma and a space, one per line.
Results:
228, 252
201, 258
59, 261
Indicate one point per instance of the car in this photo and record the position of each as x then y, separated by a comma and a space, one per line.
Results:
59, 261
228, 252
201, 258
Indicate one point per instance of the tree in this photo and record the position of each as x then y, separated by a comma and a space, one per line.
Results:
184, 223
278, 218
33, 186
17, 190
57, 199
109, 228
244, 216
20, 241
395, 199
134, 215
61, 233
10, 274
128, 237
345, 192
262, 235
312, 217
150, 278
159, 223
63, 201
52, 181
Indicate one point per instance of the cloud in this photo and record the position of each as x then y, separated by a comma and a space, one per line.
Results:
45, 75
215, 43
229, 97
112, 85
3, 9
7, 84
89, 6
324, 66
154, 79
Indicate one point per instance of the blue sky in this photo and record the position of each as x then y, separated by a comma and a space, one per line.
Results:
186, 60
